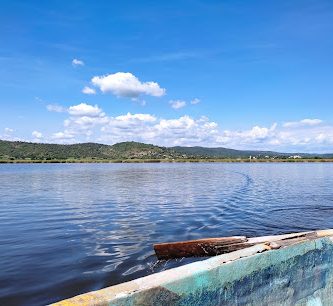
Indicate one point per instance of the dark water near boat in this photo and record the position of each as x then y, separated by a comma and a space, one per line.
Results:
70, 228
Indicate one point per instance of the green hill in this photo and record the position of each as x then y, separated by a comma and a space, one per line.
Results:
231, 153
223, 152
41, 151
16, 150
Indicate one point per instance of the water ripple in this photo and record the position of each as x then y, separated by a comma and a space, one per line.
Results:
68, 229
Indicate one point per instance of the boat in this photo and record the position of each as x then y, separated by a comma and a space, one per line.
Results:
291, 269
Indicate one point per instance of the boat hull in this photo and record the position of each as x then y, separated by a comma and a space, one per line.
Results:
299, 274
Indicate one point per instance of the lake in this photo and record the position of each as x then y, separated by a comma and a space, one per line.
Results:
66, 229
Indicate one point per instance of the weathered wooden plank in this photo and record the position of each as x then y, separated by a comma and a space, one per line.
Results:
218, 246
196, 248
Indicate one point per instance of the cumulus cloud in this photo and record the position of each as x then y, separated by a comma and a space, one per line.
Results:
295, 138
140, 117
304, 122
77, 62
176, 124
195, 101
87, 120
88, 90
255, 133
83, 123
63, 137
256, 136
83, 120
89, 123
37, 134
177, 104
129, 123
56, 108
168, 132
84, 109
125, 84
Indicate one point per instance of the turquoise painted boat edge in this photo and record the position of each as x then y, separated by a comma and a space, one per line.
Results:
301, 274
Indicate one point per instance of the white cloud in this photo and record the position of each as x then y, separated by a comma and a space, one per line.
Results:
84, 109
140, 117
256, 136
167, 132
63, 136
173, 124
37, 134
177, 104
84, 122
8, 134
88, 90
89, 123
125, 84
77, 62
56, 108
256, 133
195, 101
295, 138
304, 122
8, 130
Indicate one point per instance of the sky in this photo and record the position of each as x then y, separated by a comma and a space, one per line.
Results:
240, 74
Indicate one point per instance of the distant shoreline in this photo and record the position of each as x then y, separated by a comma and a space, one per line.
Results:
126, 161
25, 152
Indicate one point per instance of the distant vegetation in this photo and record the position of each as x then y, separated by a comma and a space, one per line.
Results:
225, 153
41, 151
12, 151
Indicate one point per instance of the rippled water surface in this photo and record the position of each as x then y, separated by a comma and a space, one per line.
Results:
70, 228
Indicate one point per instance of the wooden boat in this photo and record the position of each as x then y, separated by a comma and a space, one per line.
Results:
292, 269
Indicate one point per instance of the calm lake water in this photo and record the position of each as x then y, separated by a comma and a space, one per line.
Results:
66, 229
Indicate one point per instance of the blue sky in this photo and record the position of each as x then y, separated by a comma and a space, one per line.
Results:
240, 74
